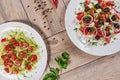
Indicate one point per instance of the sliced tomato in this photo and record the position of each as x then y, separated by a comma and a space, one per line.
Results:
28, 67
10, 63
3, 40
100, 1
5, 63
102, 16
15, 72
80, 15
110, 3
11, 51
87, 2
6, 70
23, 54
108, 39
92, 10
24, 44
18, 62
33, 58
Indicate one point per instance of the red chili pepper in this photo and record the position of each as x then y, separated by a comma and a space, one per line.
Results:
55, 2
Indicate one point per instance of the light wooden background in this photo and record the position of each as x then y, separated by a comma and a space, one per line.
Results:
49, 22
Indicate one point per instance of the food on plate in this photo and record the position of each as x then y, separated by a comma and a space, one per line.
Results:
98, 21
18, 52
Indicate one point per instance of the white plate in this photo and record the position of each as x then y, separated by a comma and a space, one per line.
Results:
36, 73
70, 25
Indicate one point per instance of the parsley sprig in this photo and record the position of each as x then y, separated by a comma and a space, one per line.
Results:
62, 62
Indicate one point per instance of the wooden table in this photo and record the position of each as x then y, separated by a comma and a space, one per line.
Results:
49, 22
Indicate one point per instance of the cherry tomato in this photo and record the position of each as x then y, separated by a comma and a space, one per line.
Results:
28, 67
3, 40
92, 11
100, 1
33, 58
87, 2
80, 15
6, 70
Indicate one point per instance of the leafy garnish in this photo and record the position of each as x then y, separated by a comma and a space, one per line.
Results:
53, 75
63, 60
62, 63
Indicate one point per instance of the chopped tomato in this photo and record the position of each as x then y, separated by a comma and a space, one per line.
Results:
107, 40
11, 51
102, 16
7, 48
5, 57
33, 58
6, 70
80, 15
5, 63
10, 63
87, 2
30, 48
18, 62
14, 72
23, 54
103, 5
28, 67
24, 44
16, 44
92, 11
3, 40
100, 1
100, 33
110, 3
12, 39
13, 57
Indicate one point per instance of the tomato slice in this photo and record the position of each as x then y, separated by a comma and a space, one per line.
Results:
4, 40
28, 67
6, 70
80, 15
33, 58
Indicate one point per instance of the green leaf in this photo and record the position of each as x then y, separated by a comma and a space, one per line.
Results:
54, 71
50, 76
65, 55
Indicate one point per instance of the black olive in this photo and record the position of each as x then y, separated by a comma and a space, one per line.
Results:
87, 19
97, 37
100, 22
106, 9
108, 20
90, 29
97, 6
116, 25
113, 18
87, 9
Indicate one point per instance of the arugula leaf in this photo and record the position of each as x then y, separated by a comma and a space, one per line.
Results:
54, 71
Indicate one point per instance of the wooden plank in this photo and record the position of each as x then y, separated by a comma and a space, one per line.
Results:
12, 10
60, 43
43, 15
107, 68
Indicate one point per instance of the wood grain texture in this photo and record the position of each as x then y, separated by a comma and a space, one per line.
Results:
43, 15
66, 2
60, 43
107, 68
12, 10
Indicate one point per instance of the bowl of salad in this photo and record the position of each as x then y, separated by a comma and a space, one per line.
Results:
94, 25
23, 54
